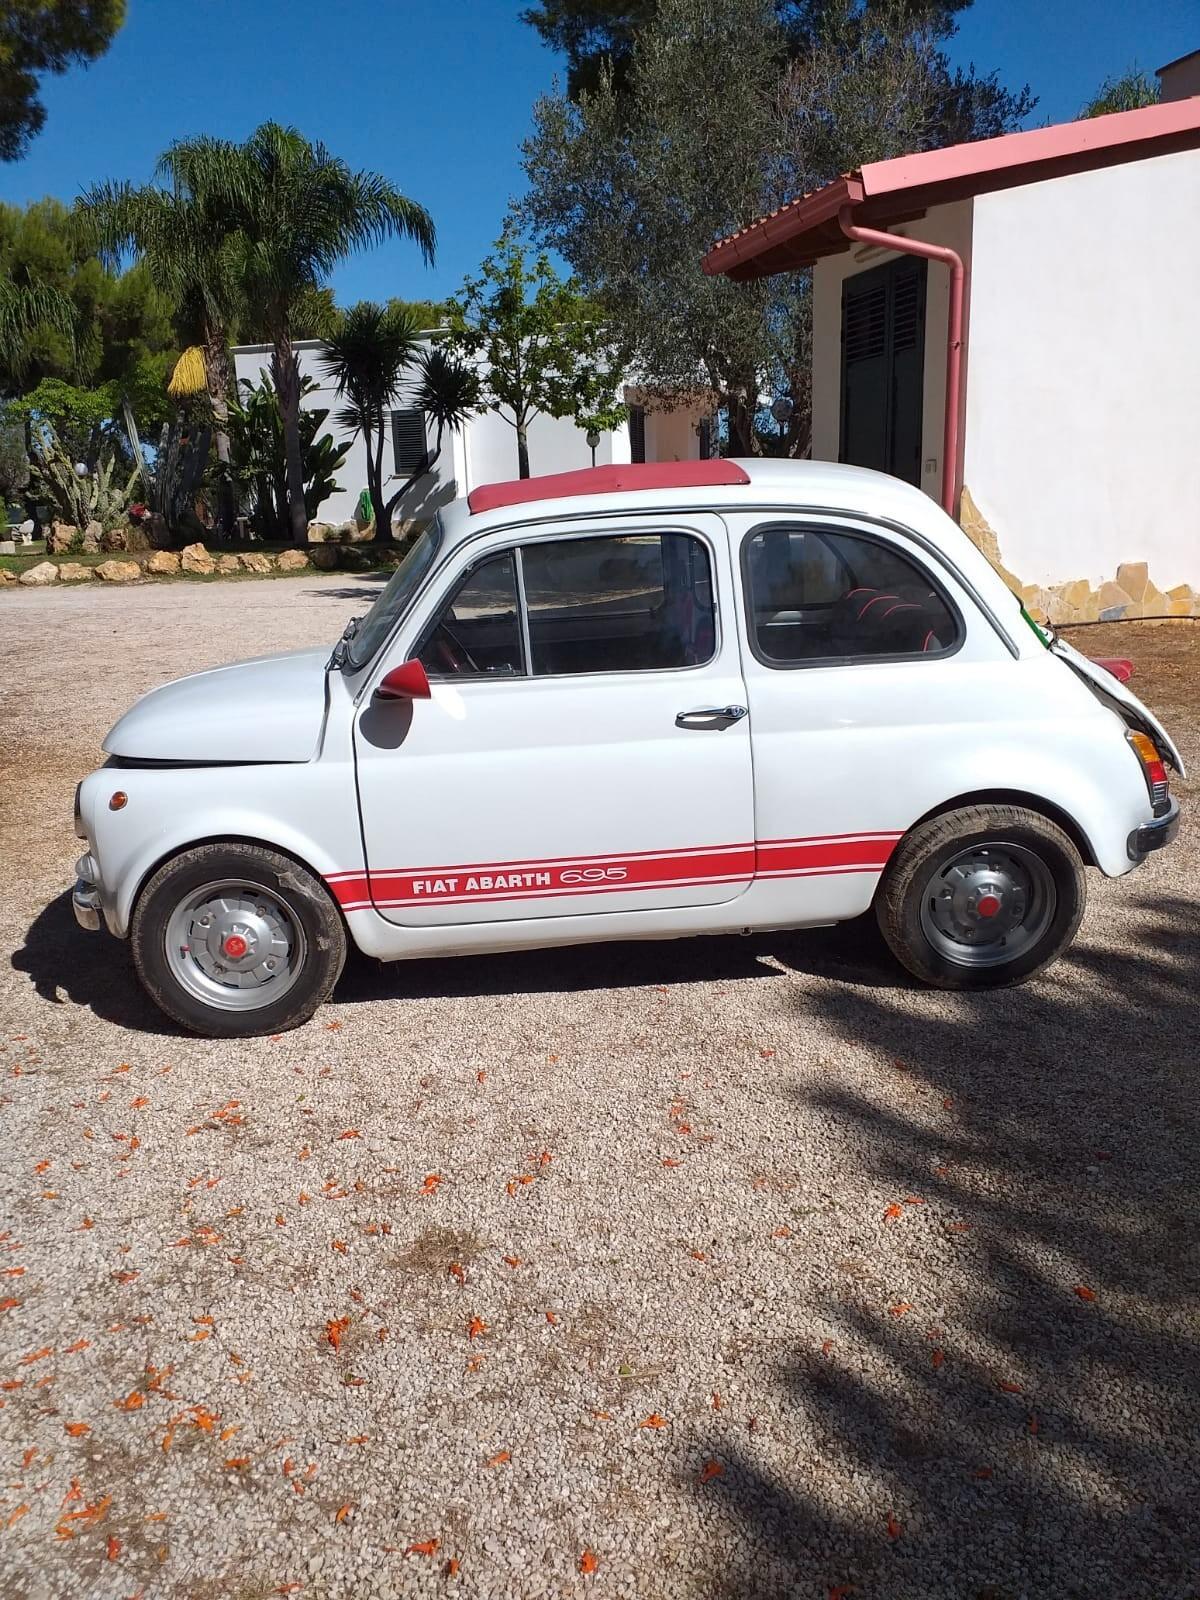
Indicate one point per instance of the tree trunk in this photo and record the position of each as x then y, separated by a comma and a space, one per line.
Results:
522, 451
741, 424
219, 373
285, 373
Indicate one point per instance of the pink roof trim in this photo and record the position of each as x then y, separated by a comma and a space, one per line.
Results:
633, 476
885, 191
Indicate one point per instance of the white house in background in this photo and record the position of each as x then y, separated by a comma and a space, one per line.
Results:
485, 450
1074, 448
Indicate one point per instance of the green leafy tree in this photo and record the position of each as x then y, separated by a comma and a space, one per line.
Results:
1127, 91
725, 110
297, 211
41, 36
540, 346
96, 323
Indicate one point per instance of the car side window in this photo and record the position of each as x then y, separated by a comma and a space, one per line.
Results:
816, 594
477, 634
619, 603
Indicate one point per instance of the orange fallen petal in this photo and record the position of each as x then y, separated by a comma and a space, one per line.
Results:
77, 1429
237, 1462
1084, 1293
16, 1514
894, 1529
840, 1591
938, 1357
670, 1161
1009, 1388
36, 1355
826, 1346
113, 1547
653, 1421
426, 1547
74, 1349
512, 1261
334, 1330
456, 1271
983, 1472
892, 1212
551, 1319
711, 1469
452, 1567
350, 1133
588, 1562
499, 1459
901, 1309
913, 1200
475, 1327
717, 1402
343, 1512
10, 1304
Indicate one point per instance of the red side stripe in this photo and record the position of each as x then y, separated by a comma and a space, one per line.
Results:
574, 875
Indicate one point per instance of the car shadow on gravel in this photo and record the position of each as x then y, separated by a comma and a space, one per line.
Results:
1030, 1418
65, 963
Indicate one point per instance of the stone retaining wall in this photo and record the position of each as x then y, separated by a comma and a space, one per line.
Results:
1129, 594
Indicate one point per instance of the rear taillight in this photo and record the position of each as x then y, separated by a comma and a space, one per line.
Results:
1153, 770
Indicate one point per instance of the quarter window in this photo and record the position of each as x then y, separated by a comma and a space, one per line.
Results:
819, 595
627, 603
478, 633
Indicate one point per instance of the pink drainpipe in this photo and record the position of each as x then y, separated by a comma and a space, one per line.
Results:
954, 340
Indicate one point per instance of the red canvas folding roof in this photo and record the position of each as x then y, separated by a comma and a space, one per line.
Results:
886, 192
606, 480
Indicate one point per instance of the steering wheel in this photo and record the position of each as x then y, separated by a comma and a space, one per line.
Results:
451, 653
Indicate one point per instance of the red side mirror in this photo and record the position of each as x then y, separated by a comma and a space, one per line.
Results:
405, 682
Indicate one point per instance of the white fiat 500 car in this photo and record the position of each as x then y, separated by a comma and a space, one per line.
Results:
629, 703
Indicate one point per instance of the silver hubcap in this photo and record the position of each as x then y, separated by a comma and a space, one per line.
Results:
988, 904
235, 945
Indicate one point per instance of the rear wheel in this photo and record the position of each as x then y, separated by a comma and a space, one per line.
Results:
981, 897
233, 940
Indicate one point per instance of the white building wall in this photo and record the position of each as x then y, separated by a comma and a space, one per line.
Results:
485, 451
1082, 442
945, 225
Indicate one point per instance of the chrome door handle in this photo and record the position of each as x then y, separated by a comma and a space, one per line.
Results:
710, 717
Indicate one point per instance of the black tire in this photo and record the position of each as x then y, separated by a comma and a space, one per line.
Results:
316, 956
914, 925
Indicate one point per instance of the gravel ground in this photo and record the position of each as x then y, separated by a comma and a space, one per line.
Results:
729, 1268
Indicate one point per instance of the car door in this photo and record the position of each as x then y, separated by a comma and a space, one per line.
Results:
585, 749
870, 677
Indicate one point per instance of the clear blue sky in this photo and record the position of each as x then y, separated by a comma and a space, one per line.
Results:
437, 96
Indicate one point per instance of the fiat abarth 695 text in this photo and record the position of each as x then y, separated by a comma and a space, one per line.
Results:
622, 703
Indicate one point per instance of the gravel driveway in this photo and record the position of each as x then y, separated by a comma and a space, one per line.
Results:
728, 1268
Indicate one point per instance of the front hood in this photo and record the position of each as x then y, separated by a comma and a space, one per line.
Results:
269, 709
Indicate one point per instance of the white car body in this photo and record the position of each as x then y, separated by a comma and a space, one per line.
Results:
524, 811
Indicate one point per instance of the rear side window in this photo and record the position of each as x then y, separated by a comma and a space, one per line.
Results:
818, 595
630, 603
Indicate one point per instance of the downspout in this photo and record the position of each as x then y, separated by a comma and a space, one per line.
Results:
954, 339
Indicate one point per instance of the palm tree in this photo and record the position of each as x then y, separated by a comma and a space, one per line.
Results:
298, 211
448, 392
367, 356
23, 308
191, 253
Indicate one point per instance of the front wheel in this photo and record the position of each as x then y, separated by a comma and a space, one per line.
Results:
233, 940
981, 897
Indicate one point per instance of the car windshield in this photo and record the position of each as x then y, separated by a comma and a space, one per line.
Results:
393, 601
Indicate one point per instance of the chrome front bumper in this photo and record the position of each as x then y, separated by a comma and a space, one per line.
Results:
85, 898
